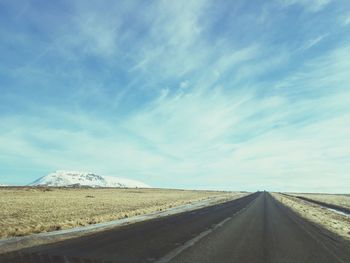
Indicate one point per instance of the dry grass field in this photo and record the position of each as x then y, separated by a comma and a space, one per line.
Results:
28, 210
338, 199
336, 223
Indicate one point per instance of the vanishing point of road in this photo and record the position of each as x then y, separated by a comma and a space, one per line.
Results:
252, 229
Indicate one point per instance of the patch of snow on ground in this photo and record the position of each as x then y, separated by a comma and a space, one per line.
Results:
338, 212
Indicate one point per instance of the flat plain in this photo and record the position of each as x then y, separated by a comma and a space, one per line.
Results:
28, 210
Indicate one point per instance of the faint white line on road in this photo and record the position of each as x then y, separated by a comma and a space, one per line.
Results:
194, 240
190, 243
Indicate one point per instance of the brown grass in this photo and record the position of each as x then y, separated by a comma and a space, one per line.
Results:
338, 199
28, 210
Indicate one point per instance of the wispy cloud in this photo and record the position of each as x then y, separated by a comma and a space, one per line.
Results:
312, 42
177, 96
309, 5
345, 20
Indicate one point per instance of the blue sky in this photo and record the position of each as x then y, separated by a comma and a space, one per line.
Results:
240, 95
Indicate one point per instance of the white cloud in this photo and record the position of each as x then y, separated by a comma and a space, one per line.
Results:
184, 84
345, 20
309, 5
236, 136
98, 36
312, 42
210, 137
212, 124
174, 39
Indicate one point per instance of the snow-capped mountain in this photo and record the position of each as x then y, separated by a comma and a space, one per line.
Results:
72, 178
2, 185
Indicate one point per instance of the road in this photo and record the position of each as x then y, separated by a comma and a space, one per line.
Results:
254, 229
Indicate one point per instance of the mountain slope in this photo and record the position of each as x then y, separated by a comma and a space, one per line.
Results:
73, 178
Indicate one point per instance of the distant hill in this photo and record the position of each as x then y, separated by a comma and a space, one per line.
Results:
84, 179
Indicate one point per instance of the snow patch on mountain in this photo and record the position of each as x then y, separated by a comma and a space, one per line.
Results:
74, 178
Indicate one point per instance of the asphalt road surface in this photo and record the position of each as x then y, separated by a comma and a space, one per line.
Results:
252, 229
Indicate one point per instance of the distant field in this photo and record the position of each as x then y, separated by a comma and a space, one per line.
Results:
340, 200
25, 211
